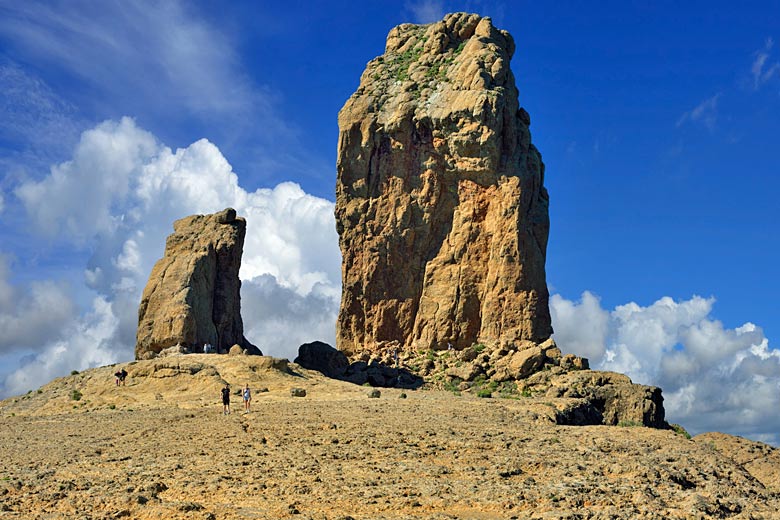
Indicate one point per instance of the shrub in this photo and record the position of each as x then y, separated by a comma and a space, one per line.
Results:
507, 389
453, 385
75, 395
112, 407
629, 424
74, 372
680, 430
485, 392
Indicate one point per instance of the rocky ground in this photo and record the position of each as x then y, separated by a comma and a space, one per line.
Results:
160, 447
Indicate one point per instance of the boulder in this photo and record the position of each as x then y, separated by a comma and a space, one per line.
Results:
441, 208
617, 399
236, 350
323, 358
297, 392
175, 350
572, 362
465, 372
193, 293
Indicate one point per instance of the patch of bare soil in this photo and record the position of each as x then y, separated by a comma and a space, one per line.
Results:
160, 447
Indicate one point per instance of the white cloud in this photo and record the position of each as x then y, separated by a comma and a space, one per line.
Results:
88, 342
713, 377
119, 195
145, 49
705, 113
426, 11
31, 114
2, 202
281, 319
582, 326
760, 71
31, 315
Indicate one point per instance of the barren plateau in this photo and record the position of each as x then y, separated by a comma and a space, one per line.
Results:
160, 447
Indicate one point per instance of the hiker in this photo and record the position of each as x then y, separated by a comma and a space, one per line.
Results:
247, 398
395, 357
226, 399
207, 348
122, 377
118, 376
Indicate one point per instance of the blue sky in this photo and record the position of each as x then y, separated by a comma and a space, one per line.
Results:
658, 125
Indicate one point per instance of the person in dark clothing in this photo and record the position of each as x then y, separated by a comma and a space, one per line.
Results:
226, 400
123, 376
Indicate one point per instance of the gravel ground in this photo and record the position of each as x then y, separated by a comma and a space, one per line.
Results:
161, 448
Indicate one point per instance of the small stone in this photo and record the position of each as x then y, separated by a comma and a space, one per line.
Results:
297, 392
375, 394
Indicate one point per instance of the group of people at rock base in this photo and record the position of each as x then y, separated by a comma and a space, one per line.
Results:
246, 393
120, 377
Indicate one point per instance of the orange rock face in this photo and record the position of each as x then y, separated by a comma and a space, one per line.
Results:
441, 208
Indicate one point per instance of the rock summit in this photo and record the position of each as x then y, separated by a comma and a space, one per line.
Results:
441, 208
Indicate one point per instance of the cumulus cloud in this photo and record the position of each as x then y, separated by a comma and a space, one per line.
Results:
118, 197
582, 326
705, 113
282, 319
760, 70
87, 342
31, 315
713, 377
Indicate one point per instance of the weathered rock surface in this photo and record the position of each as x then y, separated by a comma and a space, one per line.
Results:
161, 448
193, 293
441, 208
616, 399
760, 460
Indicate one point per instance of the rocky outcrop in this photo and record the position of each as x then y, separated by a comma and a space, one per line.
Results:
323, 358
333, 363
614, 399
193, 293
441, 208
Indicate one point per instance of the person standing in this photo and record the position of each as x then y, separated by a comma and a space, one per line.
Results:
226, 399
247, 398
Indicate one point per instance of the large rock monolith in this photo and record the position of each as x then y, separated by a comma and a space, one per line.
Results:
441, 208
193, 295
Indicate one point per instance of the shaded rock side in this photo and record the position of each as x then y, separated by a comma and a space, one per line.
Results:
441, 208
323, 358
193, 293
